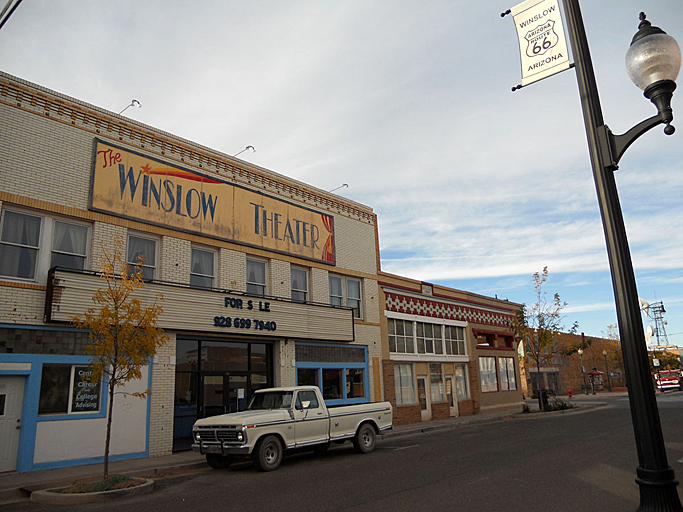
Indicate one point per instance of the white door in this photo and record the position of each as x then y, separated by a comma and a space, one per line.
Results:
11, 401
424, 399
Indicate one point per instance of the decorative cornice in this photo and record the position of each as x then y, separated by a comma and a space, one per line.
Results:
400, 303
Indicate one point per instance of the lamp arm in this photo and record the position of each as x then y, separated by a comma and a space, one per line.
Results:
612, 147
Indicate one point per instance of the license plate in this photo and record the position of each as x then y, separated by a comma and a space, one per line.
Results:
212, 448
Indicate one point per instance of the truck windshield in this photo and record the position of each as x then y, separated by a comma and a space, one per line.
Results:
271, 400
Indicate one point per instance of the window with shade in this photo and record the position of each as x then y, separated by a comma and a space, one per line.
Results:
299, 278
143, 249
202, 268
256, 277
31, 244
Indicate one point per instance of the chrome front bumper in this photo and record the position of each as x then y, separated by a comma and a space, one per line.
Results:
220, 449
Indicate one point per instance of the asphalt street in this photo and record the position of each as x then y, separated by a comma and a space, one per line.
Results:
579, 461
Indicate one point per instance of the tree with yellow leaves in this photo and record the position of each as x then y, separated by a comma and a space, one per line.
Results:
123, 332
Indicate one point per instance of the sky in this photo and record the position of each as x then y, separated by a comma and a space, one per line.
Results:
410, 104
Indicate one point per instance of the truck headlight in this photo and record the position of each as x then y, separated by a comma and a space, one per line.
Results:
240, 436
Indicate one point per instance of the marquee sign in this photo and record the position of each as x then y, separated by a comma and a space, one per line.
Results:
138, 187
194, 309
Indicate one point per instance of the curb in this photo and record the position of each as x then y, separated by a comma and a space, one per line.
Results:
54, 497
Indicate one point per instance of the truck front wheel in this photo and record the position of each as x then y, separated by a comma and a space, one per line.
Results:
268, 454
364, 441
217, 461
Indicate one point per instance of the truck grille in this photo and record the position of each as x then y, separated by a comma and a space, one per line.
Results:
216, 435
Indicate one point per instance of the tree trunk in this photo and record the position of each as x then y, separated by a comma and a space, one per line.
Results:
109, 415
538, 380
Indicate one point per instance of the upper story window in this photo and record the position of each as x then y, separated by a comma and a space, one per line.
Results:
454, 338
256, 277
401, 336
345, 290
410, 337
31, 244
429, 340
202, 268
146, 248
299, 284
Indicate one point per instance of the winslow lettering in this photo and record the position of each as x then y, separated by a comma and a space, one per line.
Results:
535, 18
166, 195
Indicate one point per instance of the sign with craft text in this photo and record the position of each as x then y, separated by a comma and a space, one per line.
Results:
542, 42
141, 188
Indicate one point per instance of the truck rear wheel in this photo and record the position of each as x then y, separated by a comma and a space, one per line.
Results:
268, 454
217, 461
364, 441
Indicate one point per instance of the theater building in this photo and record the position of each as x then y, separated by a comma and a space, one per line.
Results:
266, 281
446, 352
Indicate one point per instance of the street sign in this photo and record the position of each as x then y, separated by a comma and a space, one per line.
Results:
655, 362
542, 43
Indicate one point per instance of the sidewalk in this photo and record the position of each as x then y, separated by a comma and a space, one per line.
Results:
15, 487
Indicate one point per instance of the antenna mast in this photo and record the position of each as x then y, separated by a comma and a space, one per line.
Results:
656, 312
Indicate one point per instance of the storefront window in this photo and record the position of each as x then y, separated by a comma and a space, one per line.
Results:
355, 383
405, 383
507, 374
487, 374
221, 356
332, 384
67, 389
307, 377
461, 387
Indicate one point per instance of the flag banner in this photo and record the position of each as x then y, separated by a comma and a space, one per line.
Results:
542, 42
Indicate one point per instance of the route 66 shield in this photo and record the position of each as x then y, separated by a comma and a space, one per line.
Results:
541, 39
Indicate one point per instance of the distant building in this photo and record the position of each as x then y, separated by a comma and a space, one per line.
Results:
564, 372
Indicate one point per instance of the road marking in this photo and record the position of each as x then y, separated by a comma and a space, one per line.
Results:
680, 460
612, 480
480, 480
406, 447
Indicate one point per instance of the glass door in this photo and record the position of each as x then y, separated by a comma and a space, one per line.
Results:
213, 394
423, 398
237, 393
450, 395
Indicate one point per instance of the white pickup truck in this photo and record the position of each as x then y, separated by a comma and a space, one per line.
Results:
279, 419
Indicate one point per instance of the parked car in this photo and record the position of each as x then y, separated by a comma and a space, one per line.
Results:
280, 419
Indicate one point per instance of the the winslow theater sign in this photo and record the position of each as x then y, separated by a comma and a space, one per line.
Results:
138, 187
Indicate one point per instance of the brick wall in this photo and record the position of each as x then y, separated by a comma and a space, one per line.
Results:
280, 280
465, 408
405, 414
232, 270
21, 305
441, 411
162, 399
174, 260
285, 373
103, 239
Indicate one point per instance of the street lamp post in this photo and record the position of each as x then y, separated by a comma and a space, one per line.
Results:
609, 380
583, 371
653, 62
